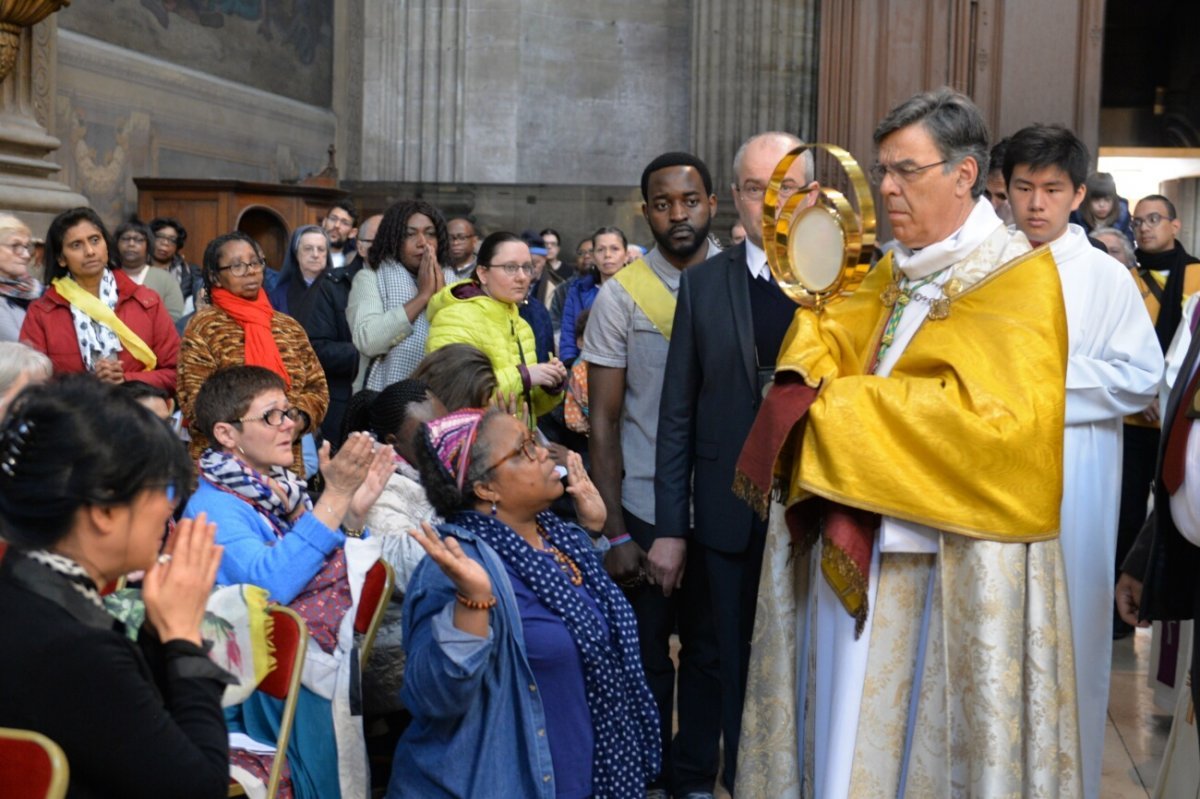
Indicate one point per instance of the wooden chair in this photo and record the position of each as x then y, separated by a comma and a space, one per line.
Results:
31, 766
289, 638
376, 593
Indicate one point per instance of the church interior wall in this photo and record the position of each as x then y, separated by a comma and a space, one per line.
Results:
130, 101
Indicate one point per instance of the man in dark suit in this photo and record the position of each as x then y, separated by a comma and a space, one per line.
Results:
1160, 577
730, 319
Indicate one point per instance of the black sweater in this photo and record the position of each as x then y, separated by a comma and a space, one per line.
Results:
133, 719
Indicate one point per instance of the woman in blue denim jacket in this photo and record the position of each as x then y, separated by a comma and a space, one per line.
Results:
523, 673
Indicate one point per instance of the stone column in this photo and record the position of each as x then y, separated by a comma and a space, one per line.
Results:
754, 68
413, 55
29, 184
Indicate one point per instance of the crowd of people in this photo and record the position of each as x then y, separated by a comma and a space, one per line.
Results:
895, 539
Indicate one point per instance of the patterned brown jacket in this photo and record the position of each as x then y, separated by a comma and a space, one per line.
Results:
214, 340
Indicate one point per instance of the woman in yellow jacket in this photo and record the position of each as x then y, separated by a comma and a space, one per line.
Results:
483, 312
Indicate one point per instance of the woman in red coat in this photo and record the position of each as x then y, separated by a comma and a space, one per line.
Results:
94, 319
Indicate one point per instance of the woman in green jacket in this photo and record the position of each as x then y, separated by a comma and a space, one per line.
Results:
483, 312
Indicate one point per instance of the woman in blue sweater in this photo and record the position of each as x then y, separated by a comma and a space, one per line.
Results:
276, 537
523, 675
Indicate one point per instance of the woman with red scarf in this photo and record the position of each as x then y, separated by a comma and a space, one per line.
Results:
241, 328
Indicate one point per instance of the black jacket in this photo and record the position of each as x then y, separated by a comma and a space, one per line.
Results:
709, 400
135, 720
322, 313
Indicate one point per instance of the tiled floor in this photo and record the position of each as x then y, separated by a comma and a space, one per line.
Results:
1137, 729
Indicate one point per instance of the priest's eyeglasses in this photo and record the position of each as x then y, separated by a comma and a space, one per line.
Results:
903, 172
241, 269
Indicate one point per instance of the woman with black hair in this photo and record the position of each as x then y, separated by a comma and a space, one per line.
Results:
240, 327
484, 312
136, 720
523, 655
93, 318
387, 303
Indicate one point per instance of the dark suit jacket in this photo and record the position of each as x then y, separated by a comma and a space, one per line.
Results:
135, 720
1166, 562
709, 400
322, 314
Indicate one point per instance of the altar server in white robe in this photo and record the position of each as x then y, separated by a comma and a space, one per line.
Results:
1114, 367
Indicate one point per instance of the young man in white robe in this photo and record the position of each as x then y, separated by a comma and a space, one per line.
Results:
1114, 366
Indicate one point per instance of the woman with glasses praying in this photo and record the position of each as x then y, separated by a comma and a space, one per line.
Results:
483, 312
18, 288
523, 654
93, 318
276, 537
239, 326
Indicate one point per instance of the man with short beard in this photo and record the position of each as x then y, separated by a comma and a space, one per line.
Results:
339, 225
625, 346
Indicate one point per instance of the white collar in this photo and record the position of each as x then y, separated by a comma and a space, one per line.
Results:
756, 261
981, 223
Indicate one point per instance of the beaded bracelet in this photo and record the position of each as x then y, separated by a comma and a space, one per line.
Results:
473, 605
353, 532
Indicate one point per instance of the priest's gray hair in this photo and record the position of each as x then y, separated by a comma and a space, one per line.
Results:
954, 122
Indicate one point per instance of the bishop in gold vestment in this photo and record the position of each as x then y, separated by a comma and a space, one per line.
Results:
913, 634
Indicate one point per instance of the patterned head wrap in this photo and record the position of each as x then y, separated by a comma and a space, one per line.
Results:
451, 437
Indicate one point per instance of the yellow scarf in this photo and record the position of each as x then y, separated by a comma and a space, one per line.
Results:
650, 294
91, 305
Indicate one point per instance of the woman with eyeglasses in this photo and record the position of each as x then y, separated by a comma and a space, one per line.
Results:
523, 654
483, 312
134, 719
93, 318
308, 255
18, 288
240, 327
275, 536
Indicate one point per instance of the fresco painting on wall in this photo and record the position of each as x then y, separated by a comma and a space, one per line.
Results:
281, 46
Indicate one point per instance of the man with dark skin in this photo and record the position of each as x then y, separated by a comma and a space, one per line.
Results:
626, 345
